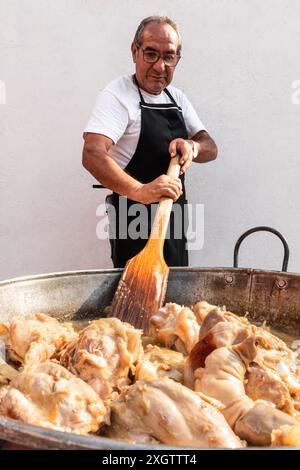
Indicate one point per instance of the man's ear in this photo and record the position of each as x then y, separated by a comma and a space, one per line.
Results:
134, 51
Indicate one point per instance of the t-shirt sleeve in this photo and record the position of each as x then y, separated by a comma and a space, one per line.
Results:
192, 121
109, 117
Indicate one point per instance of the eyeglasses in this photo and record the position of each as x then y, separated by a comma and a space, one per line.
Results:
151, 57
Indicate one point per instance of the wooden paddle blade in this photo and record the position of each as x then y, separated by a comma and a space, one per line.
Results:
141, 290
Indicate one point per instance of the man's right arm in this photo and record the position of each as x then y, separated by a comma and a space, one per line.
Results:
96, 160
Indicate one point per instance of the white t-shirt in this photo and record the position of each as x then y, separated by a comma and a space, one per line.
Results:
117, 115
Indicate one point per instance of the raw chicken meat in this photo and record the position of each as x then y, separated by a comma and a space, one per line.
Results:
167, 412
104, 354
50, 396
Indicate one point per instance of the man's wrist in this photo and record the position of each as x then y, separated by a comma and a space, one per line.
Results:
135, 192
195, 148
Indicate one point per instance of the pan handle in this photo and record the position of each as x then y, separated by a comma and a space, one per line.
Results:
263, 229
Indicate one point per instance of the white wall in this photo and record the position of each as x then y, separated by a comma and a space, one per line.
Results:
240, 59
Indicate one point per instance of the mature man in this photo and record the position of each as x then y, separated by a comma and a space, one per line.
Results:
137, 124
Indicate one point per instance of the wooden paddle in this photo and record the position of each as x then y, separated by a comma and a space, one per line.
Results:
142, 288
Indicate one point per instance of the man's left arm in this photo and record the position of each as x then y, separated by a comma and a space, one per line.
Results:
206, 147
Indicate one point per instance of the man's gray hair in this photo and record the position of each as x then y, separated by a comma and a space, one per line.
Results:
155, 19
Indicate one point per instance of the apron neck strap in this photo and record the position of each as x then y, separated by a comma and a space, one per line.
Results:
141, 96
170, 96
136, 82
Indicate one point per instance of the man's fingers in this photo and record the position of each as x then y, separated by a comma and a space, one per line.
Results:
185, 166
177, 185
170, 180
172, 193
173, 148
177, 146
163, 186
172, 189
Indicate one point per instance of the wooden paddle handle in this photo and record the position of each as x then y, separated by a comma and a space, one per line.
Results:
174, 167
162, 216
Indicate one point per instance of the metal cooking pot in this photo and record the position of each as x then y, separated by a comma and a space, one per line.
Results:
273, 296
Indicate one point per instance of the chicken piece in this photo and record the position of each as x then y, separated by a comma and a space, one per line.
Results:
223, 379
211, 315
167, 412
201, 310
257, 426
217, 315
271, 342
235, 328
275, 356
3, 391
219, 329
265, 338
50, 396
275, 376
36, 339
175, 326
263, 384
267, 378
103, 355
7, 372
286, 436
222, 328
160, 362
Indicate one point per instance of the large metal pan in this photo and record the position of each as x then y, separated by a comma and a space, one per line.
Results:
265, 295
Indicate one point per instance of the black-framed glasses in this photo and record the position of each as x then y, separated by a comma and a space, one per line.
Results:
151, 56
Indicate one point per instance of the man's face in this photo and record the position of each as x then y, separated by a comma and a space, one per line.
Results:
163, 39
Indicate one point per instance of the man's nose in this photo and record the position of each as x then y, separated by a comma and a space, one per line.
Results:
159, 66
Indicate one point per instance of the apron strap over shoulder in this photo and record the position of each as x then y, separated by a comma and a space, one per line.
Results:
141, 96
170, 96
165, 90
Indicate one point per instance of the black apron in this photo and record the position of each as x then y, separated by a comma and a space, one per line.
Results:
160, 124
